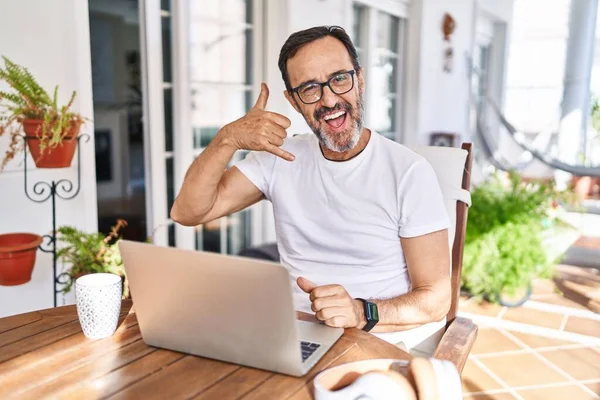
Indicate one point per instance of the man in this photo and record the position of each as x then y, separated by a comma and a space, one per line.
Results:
357, 216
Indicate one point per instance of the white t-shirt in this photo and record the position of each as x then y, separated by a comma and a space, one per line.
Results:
341, 222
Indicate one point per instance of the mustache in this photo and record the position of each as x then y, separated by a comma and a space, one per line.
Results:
338, 107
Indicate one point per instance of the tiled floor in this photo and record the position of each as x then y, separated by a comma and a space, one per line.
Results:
549, 348
541, 313
512, 365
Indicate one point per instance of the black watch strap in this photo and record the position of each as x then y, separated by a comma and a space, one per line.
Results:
371, 314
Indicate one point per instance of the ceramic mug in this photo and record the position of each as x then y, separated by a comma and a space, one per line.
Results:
98, 299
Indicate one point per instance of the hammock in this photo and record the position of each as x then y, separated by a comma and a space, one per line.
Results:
519, 138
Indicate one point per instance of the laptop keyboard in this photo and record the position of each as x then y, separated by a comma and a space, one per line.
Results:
308, 348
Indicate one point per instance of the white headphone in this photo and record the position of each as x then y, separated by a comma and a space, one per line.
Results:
387, 379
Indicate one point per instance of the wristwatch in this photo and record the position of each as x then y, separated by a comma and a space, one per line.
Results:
371, 314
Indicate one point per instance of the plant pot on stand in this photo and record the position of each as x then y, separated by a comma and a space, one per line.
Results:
59, 156
17, 257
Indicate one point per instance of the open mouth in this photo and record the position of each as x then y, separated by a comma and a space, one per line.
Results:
336, 120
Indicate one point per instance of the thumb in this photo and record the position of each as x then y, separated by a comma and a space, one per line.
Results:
306, 285
261, 102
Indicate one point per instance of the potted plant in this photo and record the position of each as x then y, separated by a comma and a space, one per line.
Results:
17, 257
88, 253
51, 130
587, 186
508, 227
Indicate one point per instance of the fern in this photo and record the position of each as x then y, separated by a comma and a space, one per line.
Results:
31, 101
24, 82
86, 253
54, 101
12, 98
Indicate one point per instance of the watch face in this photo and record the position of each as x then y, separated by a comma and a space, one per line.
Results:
373, 313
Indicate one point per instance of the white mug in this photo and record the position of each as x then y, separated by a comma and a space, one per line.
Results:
98, 298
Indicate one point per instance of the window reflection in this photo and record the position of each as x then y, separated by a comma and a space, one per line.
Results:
221, 72
385, 72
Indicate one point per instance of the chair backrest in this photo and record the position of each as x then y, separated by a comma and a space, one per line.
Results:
453, 169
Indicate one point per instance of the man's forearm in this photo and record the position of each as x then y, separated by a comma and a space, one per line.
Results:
411, 310
200, 187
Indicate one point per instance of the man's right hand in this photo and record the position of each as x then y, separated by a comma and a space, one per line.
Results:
259, 129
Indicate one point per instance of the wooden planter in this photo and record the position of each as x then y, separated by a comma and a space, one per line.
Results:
17, 257
56, 157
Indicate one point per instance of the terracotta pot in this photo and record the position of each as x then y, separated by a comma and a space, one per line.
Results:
55, 157
582, 185
17, 257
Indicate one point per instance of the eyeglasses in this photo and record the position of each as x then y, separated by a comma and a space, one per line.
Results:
312, 92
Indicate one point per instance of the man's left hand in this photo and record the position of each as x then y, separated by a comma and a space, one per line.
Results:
333, 305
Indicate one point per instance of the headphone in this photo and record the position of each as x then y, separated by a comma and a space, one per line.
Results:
387, 379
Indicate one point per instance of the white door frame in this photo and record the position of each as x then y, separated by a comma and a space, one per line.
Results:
182, 125
153, 121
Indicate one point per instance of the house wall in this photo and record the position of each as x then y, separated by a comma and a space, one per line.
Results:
435, 101
439, 101
56, 53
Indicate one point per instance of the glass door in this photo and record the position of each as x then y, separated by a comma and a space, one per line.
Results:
225, 71
203, 71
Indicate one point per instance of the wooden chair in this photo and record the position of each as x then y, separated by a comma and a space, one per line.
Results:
453, 168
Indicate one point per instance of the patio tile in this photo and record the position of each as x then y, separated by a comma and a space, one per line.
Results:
481, 308
492, 341
583, 326
558, 300
542, 287
534, 317
522, 370
474, 379
535, 341
558, 393
594, 387
581, 364
496, 396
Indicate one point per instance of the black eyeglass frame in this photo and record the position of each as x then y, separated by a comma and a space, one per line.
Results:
323, 84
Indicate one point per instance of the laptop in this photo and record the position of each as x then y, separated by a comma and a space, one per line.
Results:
229, 308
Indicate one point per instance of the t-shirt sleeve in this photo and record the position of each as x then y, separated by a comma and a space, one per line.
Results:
258, 166
422, 208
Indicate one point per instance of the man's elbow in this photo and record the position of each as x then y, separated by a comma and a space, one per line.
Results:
443, 301
179, 216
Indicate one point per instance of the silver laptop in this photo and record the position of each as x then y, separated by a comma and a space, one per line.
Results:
234, 309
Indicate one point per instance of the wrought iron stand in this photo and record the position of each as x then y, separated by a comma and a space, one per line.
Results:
42, 191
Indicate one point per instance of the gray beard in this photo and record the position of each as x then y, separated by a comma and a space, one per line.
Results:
357, 127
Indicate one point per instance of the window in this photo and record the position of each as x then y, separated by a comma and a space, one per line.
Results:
221, 61
385, 71
222, 66
378, 36
358, 23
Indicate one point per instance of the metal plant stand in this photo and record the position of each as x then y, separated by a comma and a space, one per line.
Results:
41, 192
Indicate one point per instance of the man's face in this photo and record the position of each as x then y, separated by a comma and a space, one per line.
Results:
336, 119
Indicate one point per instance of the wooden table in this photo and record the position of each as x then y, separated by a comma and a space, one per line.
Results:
45, 354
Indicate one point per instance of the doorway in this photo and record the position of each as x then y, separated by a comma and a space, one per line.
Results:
117, 97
